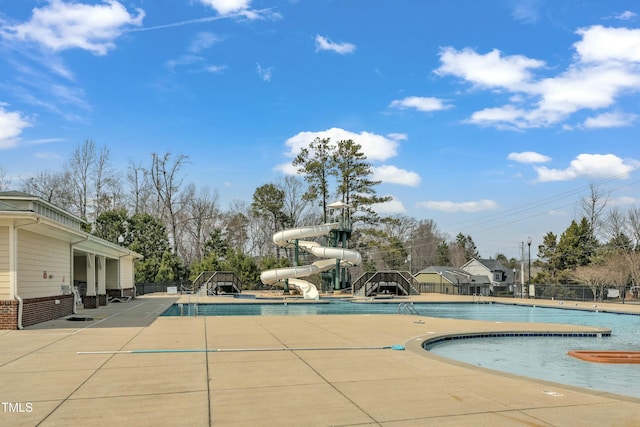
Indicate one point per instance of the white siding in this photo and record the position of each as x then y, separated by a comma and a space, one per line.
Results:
126, 272
38, 254
477, 269
4, 263
112, 273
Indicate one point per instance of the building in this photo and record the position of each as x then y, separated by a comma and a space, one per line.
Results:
450, 280
501, 280
49, 265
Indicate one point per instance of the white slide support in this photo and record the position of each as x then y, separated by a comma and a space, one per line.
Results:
287, 238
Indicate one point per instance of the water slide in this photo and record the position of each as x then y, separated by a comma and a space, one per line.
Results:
287, 238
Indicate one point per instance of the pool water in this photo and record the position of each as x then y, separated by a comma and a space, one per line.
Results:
536, 357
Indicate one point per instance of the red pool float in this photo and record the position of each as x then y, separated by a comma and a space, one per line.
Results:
611, 356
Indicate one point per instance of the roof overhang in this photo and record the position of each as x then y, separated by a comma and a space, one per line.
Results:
80, 240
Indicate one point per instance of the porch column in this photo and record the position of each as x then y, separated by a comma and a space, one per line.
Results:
101, 277
91, 299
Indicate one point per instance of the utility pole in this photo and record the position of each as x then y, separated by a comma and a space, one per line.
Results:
522, 270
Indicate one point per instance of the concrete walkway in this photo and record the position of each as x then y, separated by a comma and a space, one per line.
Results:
341, 373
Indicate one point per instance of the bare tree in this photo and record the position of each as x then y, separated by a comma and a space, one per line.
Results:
200, 219
79, 168
295, 204
235, 225
593, 208
107, 189
5, 181
167, 182
52, 187
594, 276
424, 240
140, 187
618, 272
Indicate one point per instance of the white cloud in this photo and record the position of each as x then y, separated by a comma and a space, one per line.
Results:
264, 73
228, 7
48, 155
625, 16
60, 26
528, 157
419, 103
202, 41
527, 11
391, 207
376, 147
323, 43
600, 44
12, 124
448, 206
489, 70
607, 61
610, 120
216, 69
389, 174
500, 117
590, 166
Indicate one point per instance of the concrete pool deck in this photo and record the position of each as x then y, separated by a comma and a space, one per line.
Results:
331, 380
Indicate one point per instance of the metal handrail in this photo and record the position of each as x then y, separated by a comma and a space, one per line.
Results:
407, 308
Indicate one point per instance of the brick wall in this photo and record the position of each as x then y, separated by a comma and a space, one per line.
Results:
9, 314
90, 301
34, 310
37, 310
102, 300
128, 292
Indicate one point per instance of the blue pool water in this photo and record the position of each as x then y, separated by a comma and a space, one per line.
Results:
537, 357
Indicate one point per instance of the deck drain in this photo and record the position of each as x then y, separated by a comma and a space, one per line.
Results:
80, 319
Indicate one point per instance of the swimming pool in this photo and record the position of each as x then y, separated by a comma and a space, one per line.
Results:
536, 357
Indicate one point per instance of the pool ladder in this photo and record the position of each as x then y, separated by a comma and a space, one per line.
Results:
195, 307
407, 308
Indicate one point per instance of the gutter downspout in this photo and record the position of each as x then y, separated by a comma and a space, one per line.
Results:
76, 296
15, 279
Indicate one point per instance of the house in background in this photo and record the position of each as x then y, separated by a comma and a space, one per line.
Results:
46, 259
450, 280
501, 279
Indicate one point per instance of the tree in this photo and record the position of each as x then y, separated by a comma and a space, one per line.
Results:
594, 208
111, 225
355, 186
199, 217
294, 204
424, 245
268, 201
167, 181
145, 234
140, 187
462, 250
235, 225
315, 163
549, 259
577, 245
5, 181
52, 187
443, 253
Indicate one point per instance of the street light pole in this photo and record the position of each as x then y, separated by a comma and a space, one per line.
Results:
529, 244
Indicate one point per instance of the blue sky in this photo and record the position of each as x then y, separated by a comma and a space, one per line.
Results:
490, 117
